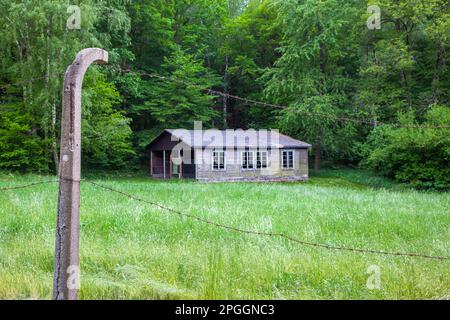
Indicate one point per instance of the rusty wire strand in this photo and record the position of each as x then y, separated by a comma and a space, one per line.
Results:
235, 229
267, 234
28, 185
254, 102
276, 106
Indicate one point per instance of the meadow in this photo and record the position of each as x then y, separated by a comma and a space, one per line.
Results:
132, 250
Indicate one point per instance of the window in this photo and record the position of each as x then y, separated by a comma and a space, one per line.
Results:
288, 159
218, 160
261, 160
248, 160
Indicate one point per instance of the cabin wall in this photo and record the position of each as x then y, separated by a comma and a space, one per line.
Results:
234, 171
157, 163
202, 169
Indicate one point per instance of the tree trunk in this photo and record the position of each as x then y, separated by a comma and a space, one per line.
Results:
54, 139
323, 62
318, 154
225, 98
52, 104
439, 64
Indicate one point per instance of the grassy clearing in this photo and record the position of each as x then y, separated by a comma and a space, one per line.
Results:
130, 250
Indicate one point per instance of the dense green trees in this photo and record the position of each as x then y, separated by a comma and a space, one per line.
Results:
404, 77
39, 45
419, 157
404, 64
316, 58
315, 73
175, 103
249, 47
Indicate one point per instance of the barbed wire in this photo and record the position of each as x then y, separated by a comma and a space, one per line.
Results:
277, 106
236, 229
28, 185
253, 102
267, 234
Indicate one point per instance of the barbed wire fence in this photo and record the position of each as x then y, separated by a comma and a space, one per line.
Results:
351, 119
228, 227
306, 112
236, 229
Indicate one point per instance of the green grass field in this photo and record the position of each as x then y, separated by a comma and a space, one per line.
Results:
131, 250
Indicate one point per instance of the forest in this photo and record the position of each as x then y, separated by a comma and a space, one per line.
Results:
372, 98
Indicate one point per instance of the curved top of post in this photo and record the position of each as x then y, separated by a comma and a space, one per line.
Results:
76, 71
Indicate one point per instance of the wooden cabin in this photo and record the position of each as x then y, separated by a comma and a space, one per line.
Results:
228, 155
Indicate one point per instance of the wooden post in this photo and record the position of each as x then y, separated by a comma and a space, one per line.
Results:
181, 167
151, 163
170, 166
164, 163
67, 260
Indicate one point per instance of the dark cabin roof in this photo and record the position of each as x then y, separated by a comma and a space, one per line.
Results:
211, 139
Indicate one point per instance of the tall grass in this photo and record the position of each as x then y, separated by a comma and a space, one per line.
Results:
130, 250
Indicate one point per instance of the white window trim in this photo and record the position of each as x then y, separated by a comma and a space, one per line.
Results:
267, 159
253, 158
293, 160
224, 160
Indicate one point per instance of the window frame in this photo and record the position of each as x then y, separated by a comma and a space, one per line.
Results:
259, 155
220, 152
253, 168
287, 157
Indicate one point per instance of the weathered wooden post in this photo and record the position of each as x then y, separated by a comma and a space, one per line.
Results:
67, 260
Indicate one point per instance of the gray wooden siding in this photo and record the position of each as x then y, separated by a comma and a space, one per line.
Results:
234, 171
